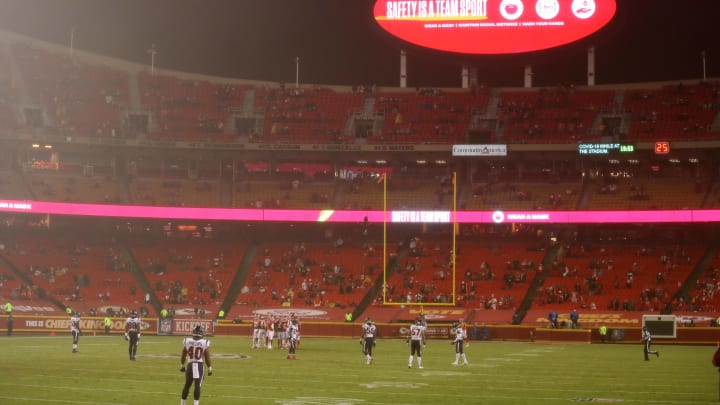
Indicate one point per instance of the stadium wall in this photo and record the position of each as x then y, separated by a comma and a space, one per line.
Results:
55, 325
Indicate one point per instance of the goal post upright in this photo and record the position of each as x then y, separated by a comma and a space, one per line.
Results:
384, 286
453, 253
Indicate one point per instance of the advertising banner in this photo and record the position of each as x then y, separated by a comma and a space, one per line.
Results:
492, 26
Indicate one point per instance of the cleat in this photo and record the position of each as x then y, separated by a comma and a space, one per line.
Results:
74, 351
465, 364
420, 366
454, 364
409, 366
657, 354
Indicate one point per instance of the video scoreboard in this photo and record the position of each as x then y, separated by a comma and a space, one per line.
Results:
605, 148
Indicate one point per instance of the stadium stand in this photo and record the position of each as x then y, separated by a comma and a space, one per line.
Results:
617, 277
71, 97
328, 275
206, 123
195, 272
82, 274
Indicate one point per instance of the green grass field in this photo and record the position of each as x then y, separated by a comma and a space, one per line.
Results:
42, 370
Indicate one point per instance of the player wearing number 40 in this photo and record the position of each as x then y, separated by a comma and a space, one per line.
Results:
196, 350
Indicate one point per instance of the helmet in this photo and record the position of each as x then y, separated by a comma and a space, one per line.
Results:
77, 313
368, 320
198, 331
418, 321
133, 313
456, 325
294, 321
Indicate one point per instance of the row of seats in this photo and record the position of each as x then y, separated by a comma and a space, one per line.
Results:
493, 273
617, 277
427, 189
79, 98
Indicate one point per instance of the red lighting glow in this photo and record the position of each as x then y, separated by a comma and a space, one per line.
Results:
492, 26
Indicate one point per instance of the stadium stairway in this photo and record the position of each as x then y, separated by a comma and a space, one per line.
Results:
536, 283
691, 280
28, 281
392, 267
248, 106
712, 196
134, 92
142, 281
239, 279
16, 77
588, 190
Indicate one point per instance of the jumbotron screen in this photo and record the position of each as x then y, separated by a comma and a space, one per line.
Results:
492, 26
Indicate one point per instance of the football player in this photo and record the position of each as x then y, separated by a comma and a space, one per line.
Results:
416, 339
294, 317
270, 333
132, 333
75, 330
460, 334
256, 332
292, 333
196, 350
281, 334
369, 331
262, 332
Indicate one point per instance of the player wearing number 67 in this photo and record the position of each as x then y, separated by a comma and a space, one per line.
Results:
196, 350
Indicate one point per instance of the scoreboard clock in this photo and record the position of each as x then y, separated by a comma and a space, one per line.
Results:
662, 147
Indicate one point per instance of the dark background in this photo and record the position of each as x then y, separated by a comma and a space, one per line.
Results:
339, 43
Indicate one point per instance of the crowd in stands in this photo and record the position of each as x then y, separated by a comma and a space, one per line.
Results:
617, 276
705, 294
335, 274
70, 96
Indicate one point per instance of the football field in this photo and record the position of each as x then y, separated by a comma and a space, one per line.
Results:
42, 370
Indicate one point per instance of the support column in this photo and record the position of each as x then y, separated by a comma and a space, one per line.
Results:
403, 68
591, 66
528, 76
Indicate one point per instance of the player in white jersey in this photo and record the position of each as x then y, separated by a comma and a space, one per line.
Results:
294, 321
132, 333
270, 332
459, 336
256, 332
369, 332
262, 332
196, 350
293, 335
416, 339
75, 330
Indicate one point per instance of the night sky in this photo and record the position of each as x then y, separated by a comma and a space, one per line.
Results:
338, 41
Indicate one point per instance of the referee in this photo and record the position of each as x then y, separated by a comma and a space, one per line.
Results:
647, 341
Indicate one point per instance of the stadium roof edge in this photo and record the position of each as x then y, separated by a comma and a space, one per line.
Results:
133, 67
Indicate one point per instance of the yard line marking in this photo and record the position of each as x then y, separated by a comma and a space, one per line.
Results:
500, 359
71, 388
61, 401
